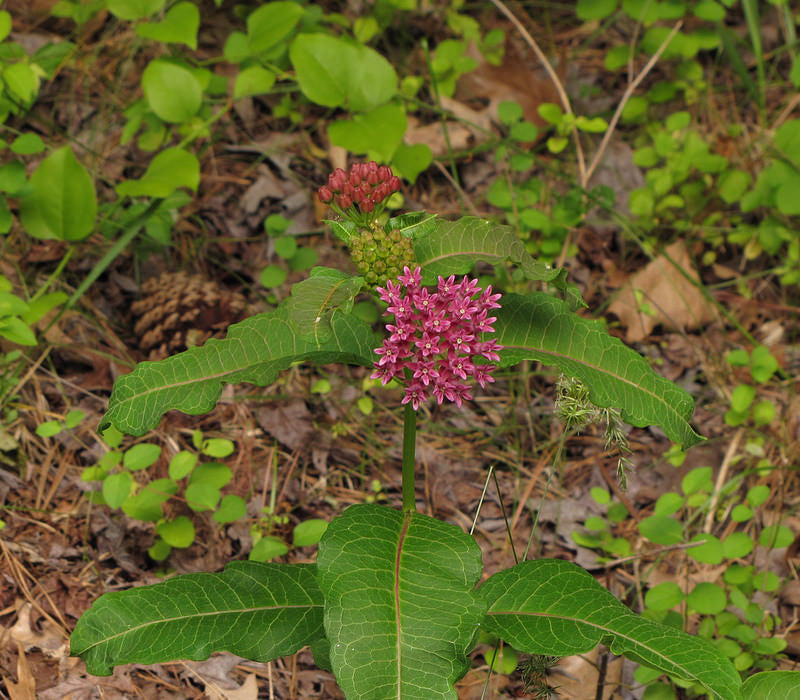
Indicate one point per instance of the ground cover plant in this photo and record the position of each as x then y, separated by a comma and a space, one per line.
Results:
378, 259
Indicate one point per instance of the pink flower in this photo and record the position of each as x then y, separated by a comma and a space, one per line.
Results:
437, 338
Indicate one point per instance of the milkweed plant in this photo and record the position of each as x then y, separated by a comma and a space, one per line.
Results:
396, 599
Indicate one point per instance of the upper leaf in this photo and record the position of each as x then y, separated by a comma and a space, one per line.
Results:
543, 328
400, 607
555, 607
254, 351
252, 609
453, 247
314, 300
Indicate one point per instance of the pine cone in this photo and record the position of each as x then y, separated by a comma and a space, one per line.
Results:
178, 311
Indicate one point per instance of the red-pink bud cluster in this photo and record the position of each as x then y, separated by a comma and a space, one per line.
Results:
365, 186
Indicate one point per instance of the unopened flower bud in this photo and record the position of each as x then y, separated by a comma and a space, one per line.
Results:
394, 183
344, 202
367, 205
385, 172
358, 195
325, 194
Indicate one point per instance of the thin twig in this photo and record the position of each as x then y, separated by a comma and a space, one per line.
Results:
464, 197
723, 474
656, 552
625, 97
562, 93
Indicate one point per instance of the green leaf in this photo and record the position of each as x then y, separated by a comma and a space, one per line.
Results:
170, 169
709, 553
254, 351
258, 611
41, 305
254, 80
335, 73
776, 536
202, 496
141, 456
556, 608
772, 685
49, 428
309, 532
268, 547
661, 530
733, 184
63, 203
178, 532
707, 599
453, 247
410, 161
272, 276
218, 447
179, 26
214, 473
146, 504
134, 9
400, 605
172, 91
182, 464
117, 488
21, 82
737, 545
314, 300
5, 24
540, 327
664, 596
17, 331
270, 24
377, 133
231, 508
12, 305
27, 144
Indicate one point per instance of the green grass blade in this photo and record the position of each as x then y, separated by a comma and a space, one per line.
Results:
256, 610
556, 608
543, 328
254, 351
400, 605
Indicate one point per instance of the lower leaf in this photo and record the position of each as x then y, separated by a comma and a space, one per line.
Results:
400, 606
255, 610
555, 607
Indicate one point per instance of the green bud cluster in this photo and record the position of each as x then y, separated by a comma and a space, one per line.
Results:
381, 256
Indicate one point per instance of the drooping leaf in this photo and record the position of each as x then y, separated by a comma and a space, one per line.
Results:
314, 300
254, 351
179, 26
453, 247
256, 610
170, 169
540, 327
772, 685
62, 203
400, 606
555, 607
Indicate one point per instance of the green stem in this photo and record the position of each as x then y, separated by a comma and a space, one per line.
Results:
409, 440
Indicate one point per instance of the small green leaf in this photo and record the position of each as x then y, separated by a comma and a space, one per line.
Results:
172, 91
146, 504
253, 80
5, 24
509, 112
737, 545
763, 364
132, 10
62, 203
117, 488
707, 599
668, 504
588, 10
776, 537
641, 202
213, 473
272, 276
231, 508
377, 132
309, 532
218, 448
49, 428
21, 81
182, 464
524, 132
179, 26
732, 185
141, 456
271, 23
661, 530
169, 169
600, 495
741, 397
17, 331
696, 480
664, 596
410, 161
285, 247
40, 306
73, 418
764, 412
758, 495
709, 553
268, 547
202, 496
741, 513
27, 144
177, 533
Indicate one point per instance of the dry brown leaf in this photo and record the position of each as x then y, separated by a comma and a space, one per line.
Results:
461, 134
25, 687
247, 691
670, 298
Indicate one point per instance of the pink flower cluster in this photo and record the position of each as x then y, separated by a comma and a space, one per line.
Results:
367, 184
435, 338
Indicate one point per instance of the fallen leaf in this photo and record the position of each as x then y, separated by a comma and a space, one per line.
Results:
25, 687
665, 297
471, 128
247, 691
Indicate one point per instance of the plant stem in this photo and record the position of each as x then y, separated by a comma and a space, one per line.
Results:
409, 441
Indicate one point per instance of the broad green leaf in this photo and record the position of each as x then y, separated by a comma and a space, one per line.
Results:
141, 456
202, 496
5, 24
41, 305
268, 547
62, 203
170, 169
117, 488
270, 24
772, 685
309, 532
453, 247
12, 305
595, 9
315, 299
540, 327
258, 611
21, 81
254, 351
554, 607
179, 26
178, 532
146, 504
410, 161
134, 9
336, 73
400, 605
172, 91
231, 508
377, 133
